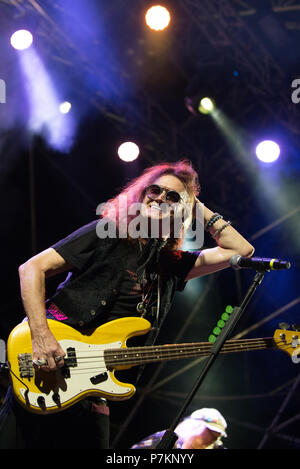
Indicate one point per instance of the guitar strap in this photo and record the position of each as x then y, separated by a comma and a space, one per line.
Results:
151, 337
156, 323
148, 261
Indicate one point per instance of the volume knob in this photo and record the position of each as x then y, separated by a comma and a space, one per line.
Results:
41, 402
56, 398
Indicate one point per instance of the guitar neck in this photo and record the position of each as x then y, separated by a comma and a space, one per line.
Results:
134, 356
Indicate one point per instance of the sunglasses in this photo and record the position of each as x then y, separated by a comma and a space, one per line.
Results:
154, 191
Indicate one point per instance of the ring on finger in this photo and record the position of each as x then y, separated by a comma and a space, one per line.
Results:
40, 362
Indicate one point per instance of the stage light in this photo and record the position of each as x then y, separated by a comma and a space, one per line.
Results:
206, 105
267, 151
65, 107
157, 18
44, 116
21, 39
128, 151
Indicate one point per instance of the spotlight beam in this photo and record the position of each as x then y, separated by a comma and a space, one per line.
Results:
44, 103
275, 223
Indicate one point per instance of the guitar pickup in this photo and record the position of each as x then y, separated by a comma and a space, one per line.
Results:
99, 378
71, 360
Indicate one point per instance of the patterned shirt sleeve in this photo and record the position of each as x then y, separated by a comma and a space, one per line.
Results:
179, 263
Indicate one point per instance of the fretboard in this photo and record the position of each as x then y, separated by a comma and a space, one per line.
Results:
133, 356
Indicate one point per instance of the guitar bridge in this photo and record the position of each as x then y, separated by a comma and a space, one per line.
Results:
25, 365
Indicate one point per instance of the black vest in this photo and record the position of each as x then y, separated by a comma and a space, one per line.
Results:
87, 296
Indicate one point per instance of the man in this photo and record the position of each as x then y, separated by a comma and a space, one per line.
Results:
203, 429
116, 276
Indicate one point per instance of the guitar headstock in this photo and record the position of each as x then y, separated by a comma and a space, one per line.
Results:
288, 341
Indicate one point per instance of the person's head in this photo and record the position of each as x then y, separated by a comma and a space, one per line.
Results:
161, 186
201, 429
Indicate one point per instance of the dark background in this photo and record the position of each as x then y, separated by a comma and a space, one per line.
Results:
126, 82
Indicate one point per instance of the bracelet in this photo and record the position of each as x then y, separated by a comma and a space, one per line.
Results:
221, 229
215, 217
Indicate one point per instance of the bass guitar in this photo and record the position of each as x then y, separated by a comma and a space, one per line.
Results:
93, 356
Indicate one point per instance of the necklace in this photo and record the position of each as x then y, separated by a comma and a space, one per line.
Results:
141, 307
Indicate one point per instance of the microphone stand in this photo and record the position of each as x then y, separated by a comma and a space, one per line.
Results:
169, 438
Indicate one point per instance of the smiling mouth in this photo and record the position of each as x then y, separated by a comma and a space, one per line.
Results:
161, 211
157, 207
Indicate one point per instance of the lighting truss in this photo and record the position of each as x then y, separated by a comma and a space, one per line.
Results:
223, 25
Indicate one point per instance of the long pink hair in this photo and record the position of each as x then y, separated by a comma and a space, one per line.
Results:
134, 192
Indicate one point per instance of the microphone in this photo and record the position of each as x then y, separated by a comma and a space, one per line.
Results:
258, 263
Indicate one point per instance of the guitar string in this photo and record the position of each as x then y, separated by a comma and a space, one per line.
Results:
127, 354
204, 345
136, 355
134, 361
110, 353
169, 352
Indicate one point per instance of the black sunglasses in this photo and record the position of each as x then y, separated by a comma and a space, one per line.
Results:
154, 191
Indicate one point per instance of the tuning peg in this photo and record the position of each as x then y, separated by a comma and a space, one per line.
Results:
296, 327
284, 325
